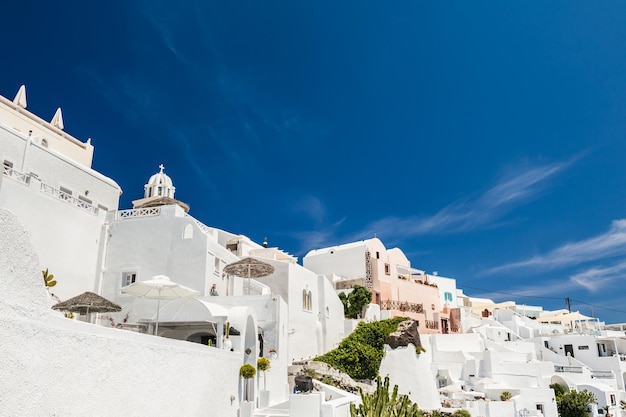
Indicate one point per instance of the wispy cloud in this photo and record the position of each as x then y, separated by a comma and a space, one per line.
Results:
605, 245
318, 238
545, 288
508, 193
596, 278
312, 206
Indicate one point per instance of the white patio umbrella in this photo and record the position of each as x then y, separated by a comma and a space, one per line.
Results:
160, 287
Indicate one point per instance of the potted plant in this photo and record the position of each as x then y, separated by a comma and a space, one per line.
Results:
246, 371
505, 396
606, 411
263, 364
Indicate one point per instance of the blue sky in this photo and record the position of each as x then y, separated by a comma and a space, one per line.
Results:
485, 139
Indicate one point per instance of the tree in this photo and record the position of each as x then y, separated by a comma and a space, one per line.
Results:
263, 364
246, 371
558, 391
380, 404
576, 403
355, 301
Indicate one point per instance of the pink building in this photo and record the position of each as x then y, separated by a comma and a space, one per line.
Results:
400, 290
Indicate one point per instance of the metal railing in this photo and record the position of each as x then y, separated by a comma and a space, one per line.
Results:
141, 212
401, 306
432, 324
62, 195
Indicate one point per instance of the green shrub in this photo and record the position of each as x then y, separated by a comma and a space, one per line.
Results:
359, 355
247, 371
575, 403
462, 413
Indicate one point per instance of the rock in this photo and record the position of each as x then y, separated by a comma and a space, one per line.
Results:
407, 333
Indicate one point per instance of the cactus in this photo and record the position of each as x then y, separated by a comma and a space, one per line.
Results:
48, 279
380, 404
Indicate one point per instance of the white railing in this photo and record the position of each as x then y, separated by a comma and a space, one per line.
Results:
141, 212
206, 229
16, 175
62, 195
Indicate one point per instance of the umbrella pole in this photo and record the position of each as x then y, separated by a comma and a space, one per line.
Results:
156, 331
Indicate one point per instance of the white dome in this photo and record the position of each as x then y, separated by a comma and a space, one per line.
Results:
159, 185
160, 178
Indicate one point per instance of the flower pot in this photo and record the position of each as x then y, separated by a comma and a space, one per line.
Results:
228, 344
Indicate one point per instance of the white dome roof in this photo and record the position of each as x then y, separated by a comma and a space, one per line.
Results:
159, 185
160, 179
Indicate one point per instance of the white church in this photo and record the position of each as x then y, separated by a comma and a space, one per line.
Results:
183, 356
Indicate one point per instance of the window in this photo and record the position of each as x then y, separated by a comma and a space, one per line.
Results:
377, 255
447, 296
539, 408
613, 402
387, 269
583, 347
128, 278
307, 300
85, 199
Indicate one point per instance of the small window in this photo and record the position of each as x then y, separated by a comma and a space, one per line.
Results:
128, 278
540, 408
377, 255
387, 269
85, 199
613, 401
447, 296
583, 347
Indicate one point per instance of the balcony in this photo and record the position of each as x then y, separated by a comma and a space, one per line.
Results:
432, 324
568, 369
401, 306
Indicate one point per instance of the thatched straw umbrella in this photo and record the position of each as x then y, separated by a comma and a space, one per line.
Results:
86, 303
249, 268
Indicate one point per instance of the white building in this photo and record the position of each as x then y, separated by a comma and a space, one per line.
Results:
48, 182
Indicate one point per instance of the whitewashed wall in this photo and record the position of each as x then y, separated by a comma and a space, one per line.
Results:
156, 245
347, 261
53, 366
66, 237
